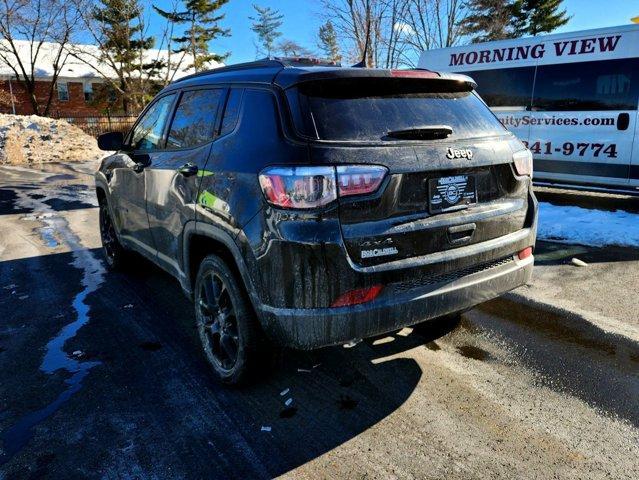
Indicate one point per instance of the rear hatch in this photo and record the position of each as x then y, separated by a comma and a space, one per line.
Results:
450, 180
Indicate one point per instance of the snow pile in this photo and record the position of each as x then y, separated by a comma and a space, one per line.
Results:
26, 140
583, 226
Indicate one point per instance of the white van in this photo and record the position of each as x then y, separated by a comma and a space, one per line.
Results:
572, 98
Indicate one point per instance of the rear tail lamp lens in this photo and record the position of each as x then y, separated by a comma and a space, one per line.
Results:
523, 163
356, 297
359, 179
299, 187
314, 187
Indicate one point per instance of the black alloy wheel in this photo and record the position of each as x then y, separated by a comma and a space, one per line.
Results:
111, 247
218, 326
228, 328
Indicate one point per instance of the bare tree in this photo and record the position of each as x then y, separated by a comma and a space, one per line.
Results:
391, 31
359, 25
25, 28
397, 33
290, 48
433, 24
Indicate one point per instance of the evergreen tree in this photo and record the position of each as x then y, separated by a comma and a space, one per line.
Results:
328, 42
202, 20
122, 46
266, 25
493, 20
543, 16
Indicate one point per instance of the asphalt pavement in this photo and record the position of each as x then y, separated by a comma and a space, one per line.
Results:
101, 375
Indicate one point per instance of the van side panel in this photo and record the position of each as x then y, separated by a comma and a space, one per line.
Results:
581, 119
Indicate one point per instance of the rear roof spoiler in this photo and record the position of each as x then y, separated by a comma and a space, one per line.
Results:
289, 77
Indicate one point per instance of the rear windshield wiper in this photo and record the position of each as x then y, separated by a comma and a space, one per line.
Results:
430, 132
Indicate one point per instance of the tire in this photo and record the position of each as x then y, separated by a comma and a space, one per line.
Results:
438, 327
114, 253
228, 328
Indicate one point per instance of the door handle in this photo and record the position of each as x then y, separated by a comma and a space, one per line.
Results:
188, 169
141, 161
623, 121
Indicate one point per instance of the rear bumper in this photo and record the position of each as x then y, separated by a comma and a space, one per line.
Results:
400, 305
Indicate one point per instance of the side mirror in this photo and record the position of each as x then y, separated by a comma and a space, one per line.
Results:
111, 141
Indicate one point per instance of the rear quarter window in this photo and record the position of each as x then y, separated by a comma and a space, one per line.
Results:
367, 109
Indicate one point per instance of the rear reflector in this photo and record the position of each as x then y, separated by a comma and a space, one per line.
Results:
525, 253
356, 297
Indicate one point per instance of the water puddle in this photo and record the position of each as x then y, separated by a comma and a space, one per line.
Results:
48, 237
55, 358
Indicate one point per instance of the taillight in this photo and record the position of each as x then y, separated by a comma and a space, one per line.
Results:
359, 179
357, 297
317, 186
299, 187
523, 163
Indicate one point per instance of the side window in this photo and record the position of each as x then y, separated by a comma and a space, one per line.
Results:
231, 111
147, 134
194, 121
604, 85
507, 88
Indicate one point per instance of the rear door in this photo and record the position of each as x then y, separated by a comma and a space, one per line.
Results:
584, 118
173, 181
146, 142
440, 193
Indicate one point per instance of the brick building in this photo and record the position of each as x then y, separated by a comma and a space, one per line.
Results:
80, 79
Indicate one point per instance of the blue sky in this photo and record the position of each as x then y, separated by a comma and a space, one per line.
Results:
303, 17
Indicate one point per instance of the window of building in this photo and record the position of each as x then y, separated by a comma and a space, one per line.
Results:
194, 121
88, 92
506, 88
602, 85
147, 134
63, 91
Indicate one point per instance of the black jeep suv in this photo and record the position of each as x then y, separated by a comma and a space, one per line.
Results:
314, 205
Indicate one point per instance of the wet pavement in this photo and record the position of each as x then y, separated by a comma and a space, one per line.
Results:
101, 376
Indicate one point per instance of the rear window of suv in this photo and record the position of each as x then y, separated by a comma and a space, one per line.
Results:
367, 109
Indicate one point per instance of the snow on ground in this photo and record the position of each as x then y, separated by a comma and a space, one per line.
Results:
28, 140
588, 227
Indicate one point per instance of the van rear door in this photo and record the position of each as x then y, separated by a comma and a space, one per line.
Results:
583, 121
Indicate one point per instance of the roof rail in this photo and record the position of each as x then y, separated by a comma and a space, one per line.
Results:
263, 63
307, 62
268, 62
